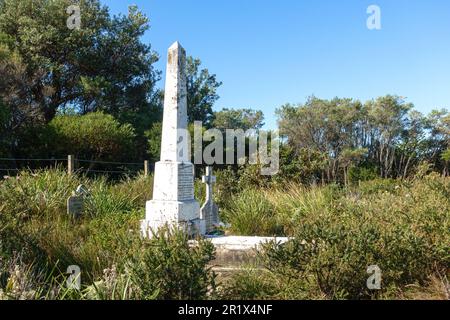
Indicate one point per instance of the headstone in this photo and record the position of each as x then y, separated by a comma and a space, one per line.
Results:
75, 205
82, 190
209, 211
173, 201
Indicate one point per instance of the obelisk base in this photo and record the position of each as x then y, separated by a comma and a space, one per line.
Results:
183, 215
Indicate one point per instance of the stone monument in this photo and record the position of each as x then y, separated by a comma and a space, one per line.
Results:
173, 201
75, 205
209, 211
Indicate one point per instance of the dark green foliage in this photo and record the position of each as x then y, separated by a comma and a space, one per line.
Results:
174, 268
47, 68
201, 92
115, 262
102, 66
154, 136
243, 119
344, 134
95, 136
402, 227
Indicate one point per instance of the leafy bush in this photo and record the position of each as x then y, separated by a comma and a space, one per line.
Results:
33, 216
362, 173
92, 136
226, 187
154, 135
173, 267
33, 194
401, 227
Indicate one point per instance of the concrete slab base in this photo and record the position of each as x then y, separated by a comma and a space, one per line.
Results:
234, 252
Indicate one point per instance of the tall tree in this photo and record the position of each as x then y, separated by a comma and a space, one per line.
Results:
325, 127
17, 107
201, 92
384, 133
244, 119
101, 66
438, 125
388, 117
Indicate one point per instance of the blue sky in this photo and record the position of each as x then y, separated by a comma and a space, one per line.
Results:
268, 53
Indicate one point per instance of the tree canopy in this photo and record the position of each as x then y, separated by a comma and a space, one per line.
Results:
244, 119
386, 134
102, 76
102, 66
201, 92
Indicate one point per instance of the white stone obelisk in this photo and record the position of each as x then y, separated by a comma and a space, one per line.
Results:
173, 201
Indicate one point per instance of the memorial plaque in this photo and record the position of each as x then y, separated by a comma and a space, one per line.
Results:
185, 183
75, 205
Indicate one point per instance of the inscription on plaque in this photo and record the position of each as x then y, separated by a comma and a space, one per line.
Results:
185, 183
75, 206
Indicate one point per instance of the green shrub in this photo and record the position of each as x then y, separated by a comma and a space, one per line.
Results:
362, 173
153, 136
34, 210
402, 227
226, 187
34, 194
251, 213
94, 136
173, 267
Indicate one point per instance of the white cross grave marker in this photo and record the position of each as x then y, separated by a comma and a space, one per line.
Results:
209, 211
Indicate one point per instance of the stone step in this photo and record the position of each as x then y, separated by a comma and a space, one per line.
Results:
238, 251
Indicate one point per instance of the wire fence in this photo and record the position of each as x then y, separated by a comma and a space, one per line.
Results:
12, 166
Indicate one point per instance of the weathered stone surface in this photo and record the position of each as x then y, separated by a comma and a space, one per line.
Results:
243, 243
171, 212
209, 211
174, 181
173, 192
174, 143
238, 251
75, 205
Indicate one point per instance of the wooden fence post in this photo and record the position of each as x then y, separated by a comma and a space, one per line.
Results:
70, 164
146, 168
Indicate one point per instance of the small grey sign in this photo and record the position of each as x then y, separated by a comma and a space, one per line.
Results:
75, 206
